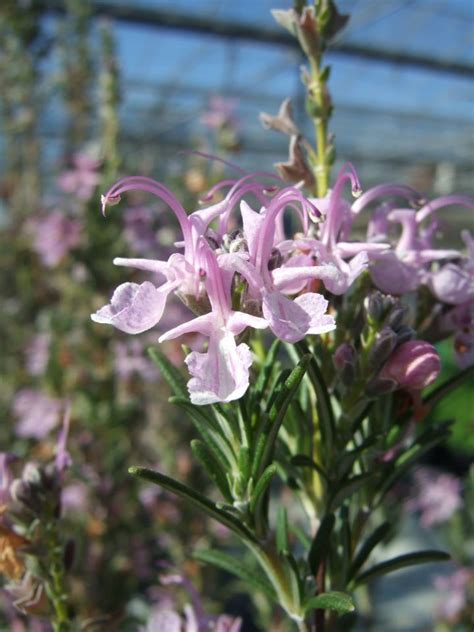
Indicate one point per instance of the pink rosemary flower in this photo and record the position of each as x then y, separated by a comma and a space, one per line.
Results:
82, 179
203, 276
36, 412
409, 263
453, 593
437, 496
54, 236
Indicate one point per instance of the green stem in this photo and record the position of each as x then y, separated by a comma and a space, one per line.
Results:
56, 586
318, 95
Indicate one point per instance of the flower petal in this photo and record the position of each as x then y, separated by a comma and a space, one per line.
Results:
287, 320
134, 308
315, 305
221, 374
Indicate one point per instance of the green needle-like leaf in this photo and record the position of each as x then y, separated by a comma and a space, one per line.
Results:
337, 601
320, 544
171, 374
402, 561
368, 546
250, 577
277, 412
196, 499
262, 486
206, 426
282, 532
212, 467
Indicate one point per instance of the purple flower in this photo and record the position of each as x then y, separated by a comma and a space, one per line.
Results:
409, 263
453, 593
130, 359
454, 283
54, 236
413, 365
220, 113
437, 496
82, 179
37, 413
203, 276
222, 373
460, 321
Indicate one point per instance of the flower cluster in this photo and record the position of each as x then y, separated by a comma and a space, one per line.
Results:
241, 270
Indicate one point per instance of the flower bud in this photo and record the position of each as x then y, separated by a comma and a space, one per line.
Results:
383, 347
404, 334
344, 361
413, 365
396, 317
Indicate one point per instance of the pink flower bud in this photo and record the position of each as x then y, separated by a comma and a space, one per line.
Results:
413, 365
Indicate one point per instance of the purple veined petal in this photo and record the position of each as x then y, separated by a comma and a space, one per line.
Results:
237, 263
386, 191
347, 249
285, 278
315, 305
149, 265
286, 319
204, 325
392, 276
222, 373
238, 321
252, 222
135, 308
441, 202
452, 284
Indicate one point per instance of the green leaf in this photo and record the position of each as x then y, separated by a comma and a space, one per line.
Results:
206, 426
368, 546
402, 561
337, 601
302, 460
265, 372
212, 467
262, 486
282, 532
196, 499
277, 412
250, 577
349, 487
323, 401
171, 374
423, 444
320, 544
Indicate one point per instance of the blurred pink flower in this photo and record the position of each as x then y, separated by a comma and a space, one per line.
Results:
437, 496
37, 353
54, 235
37, 413
82, 179
452, 590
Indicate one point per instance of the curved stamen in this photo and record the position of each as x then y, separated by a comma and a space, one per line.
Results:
214, 158
142, 183
447, 200
265, 238
334, 216
386, 190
